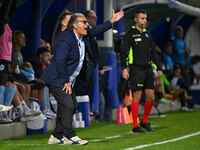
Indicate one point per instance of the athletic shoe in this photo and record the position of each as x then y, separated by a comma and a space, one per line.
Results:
49, 114
164, 100
146, 126
186, 109
77, 141
53, 140
64, 141
196, 106
4, 108
31, 113
5, 119
137, 130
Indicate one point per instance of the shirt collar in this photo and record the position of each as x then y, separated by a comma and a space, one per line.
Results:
79, 39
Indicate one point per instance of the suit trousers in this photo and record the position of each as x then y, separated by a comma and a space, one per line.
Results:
67, 105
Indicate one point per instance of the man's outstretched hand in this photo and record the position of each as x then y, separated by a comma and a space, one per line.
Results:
116, 16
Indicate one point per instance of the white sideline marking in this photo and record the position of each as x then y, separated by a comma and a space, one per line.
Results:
112, 137
106, 138
159, 143
97, 140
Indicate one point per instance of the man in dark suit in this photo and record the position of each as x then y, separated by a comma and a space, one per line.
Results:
84, 81
61, 74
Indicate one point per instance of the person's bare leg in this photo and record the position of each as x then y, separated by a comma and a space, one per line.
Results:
21, 90
16, 101
27, 93
150, 95
34, 93
40, 94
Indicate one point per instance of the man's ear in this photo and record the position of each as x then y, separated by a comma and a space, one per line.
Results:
135, 20
40, 56
75, 26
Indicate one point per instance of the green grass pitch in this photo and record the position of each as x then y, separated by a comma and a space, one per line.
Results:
111, 136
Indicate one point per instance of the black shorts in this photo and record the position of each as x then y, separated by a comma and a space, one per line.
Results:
3, 71
4, 66
141, 77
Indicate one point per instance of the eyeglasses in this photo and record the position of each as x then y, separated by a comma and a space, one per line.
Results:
83, 21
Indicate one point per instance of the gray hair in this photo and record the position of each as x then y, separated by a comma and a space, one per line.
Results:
72, 20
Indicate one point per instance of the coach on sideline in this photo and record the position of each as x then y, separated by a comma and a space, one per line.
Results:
61, 74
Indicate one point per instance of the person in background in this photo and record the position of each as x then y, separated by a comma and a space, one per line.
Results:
40, 61
177, 82
35, 90
168, 62
43, 43
19, 41
102, 69
138, 43
6, 89
179, 47
63, 19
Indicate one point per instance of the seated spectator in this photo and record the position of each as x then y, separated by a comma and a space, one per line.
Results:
39, 62
28, 72
194, 68
10, 94
174, 89
167, 51
159, 91
19, 41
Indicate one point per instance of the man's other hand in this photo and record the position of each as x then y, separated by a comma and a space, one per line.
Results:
116, 16
68, 88
125, 74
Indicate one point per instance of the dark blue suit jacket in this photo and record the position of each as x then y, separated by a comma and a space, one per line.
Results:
66, 56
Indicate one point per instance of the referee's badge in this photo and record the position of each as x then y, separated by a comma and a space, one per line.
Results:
146, 35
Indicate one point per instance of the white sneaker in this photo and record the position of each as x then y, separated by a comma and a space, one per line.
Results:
30, 112
4, 108
49, 114
77, 141
53, 140
64, 141
196, 106
185, 109
5, 119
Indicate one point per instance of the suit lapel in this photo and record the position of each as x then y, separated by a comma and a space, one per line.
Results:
88, 47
